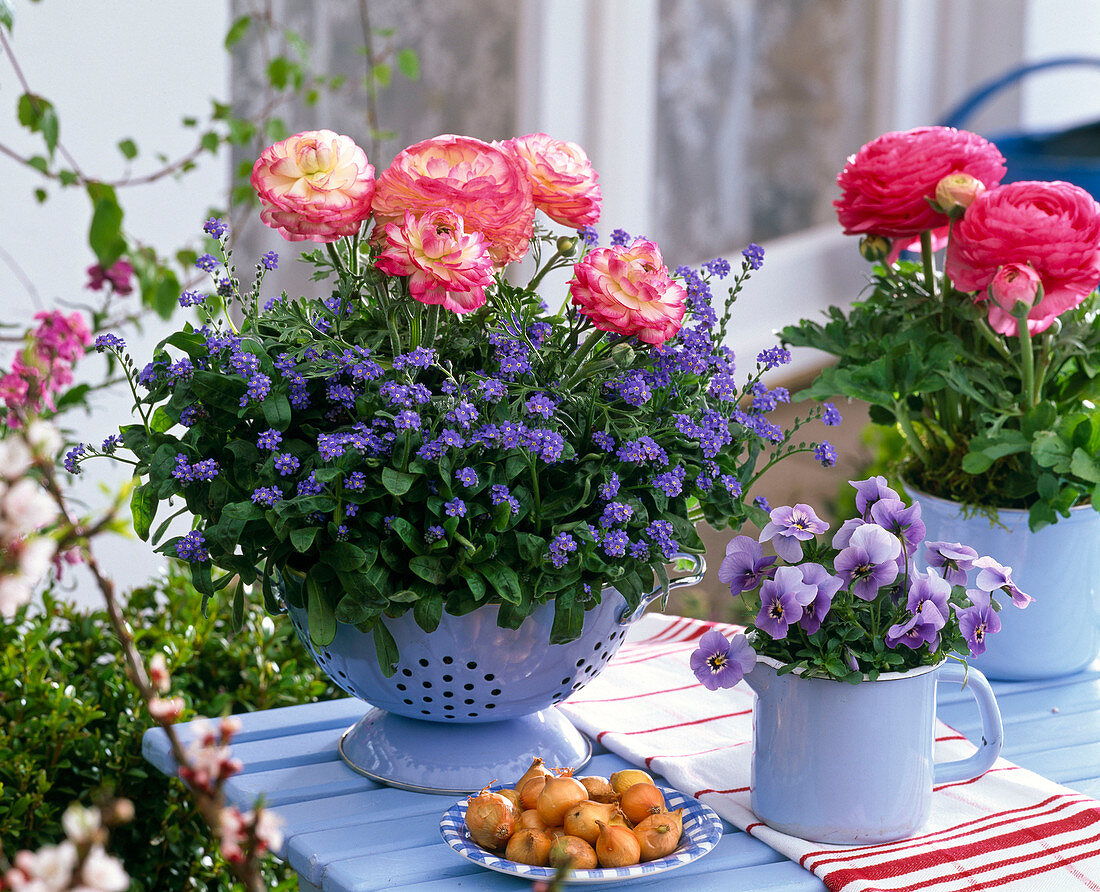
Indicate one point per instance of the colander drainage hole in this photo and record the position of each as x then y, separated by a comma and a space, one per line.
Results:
580, 663
407, 673
407, 702
448, 694
490, 706
341, 673
565, 680
469, 701
423, 662
495, 692
448, 706
471, 665
426, 684
401, 687
490, 677
448, 678
467, 687
426, 699
448, 660
597, 646
472, 715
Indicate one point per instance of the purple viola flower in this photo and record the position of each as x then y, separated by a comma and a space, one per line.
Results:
870, 491
978, 620
905, 523
720, 663
827, 586
993, 576
843, 536
869, 561
744, 567
923, 627
929, 588
790, 527
782, 601
954, 558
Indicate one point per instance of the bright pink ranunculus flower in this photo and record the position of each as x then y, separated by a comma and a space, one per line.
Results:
1052, 226
565, 187
484, 184
886, 185
628, 291
445, 264
315, 185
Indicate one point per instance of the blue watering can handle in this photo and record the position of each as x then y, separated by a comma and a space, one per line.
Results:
961, 113
992, 730
698, 570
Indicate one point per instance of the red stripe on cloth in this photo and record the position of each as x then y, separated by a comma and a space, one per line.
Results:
1046, 806
951, 737
1043, 855
651, 653
713, 749
686, 687
699, 793
962, 859
1066, 862
750, 827
973, 780
703, 721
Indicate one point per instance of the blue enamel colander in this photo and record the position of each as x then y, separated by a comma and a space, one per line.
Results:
470, 670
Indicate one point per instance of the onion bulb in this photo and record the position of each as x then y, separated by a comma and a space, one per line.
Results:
513, 797
529, 792
538, 769
599, 789
640, 801
581, 819
558, 795
621, 781
617, 846
529, 846
490, 819
529, 819
659, 835
572, 852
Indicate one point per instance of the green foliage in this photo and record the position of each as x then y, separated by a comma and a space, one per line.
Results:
71, 723
979, 425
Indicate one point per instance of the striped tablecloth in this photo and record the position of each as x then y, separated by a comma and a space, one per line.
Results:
1010, 829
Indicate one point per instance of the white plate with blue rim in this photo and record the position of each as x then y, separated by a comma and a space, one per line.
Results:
702, 830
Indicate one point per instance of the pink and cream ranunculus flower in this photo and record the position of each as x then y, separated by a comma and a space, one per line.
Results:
485, 185
445, 264
564, 185
1053, 228
315, 186
628, 291
887, 185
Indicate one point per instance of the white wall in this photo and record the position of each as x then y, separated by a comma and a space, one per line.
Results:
127, 68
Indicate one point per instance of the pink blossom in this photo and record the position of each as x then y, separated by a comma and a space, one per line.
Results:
166, 709
44, 368
628, 291
158, 673
119, 274
1051, 227
315, 185
886, 186
102, 872
486, 185
445, 264
564, 185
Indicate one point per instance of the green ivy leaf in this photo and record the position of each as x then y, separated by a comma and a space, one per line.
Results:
408, 63
321, 613
128, 148
236, 31
143, 508
344, 556
302, 538
1085, 466
397, 483
38, 115
386, 649
7, 19
105, 232
430, 569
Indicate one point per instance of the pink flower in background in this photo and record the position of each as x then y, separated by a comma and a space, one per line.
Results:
886, 185
120, 275
564, 185
628, 291
45, 367
445, 264
1053, 228
485, 185
315, 185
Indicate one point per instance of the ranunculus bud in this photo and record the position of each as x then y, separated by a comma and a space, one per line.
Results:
956, 191
874, 248
566, 244
1016, 284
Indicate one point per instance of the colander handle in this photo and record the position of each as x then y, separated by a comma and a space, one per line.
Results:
698, 570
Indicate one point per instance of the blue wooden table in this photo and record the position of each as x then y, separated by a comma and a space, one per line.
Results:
345, 833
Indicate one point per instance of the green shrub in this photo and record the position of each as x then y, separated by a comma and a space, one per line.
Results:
71, 722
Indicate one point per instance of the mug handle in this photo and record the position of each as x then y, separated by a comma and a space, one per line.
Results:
992, 729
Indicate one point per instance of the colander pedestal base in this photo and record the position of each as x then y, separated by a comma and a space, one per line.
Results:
451, 758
